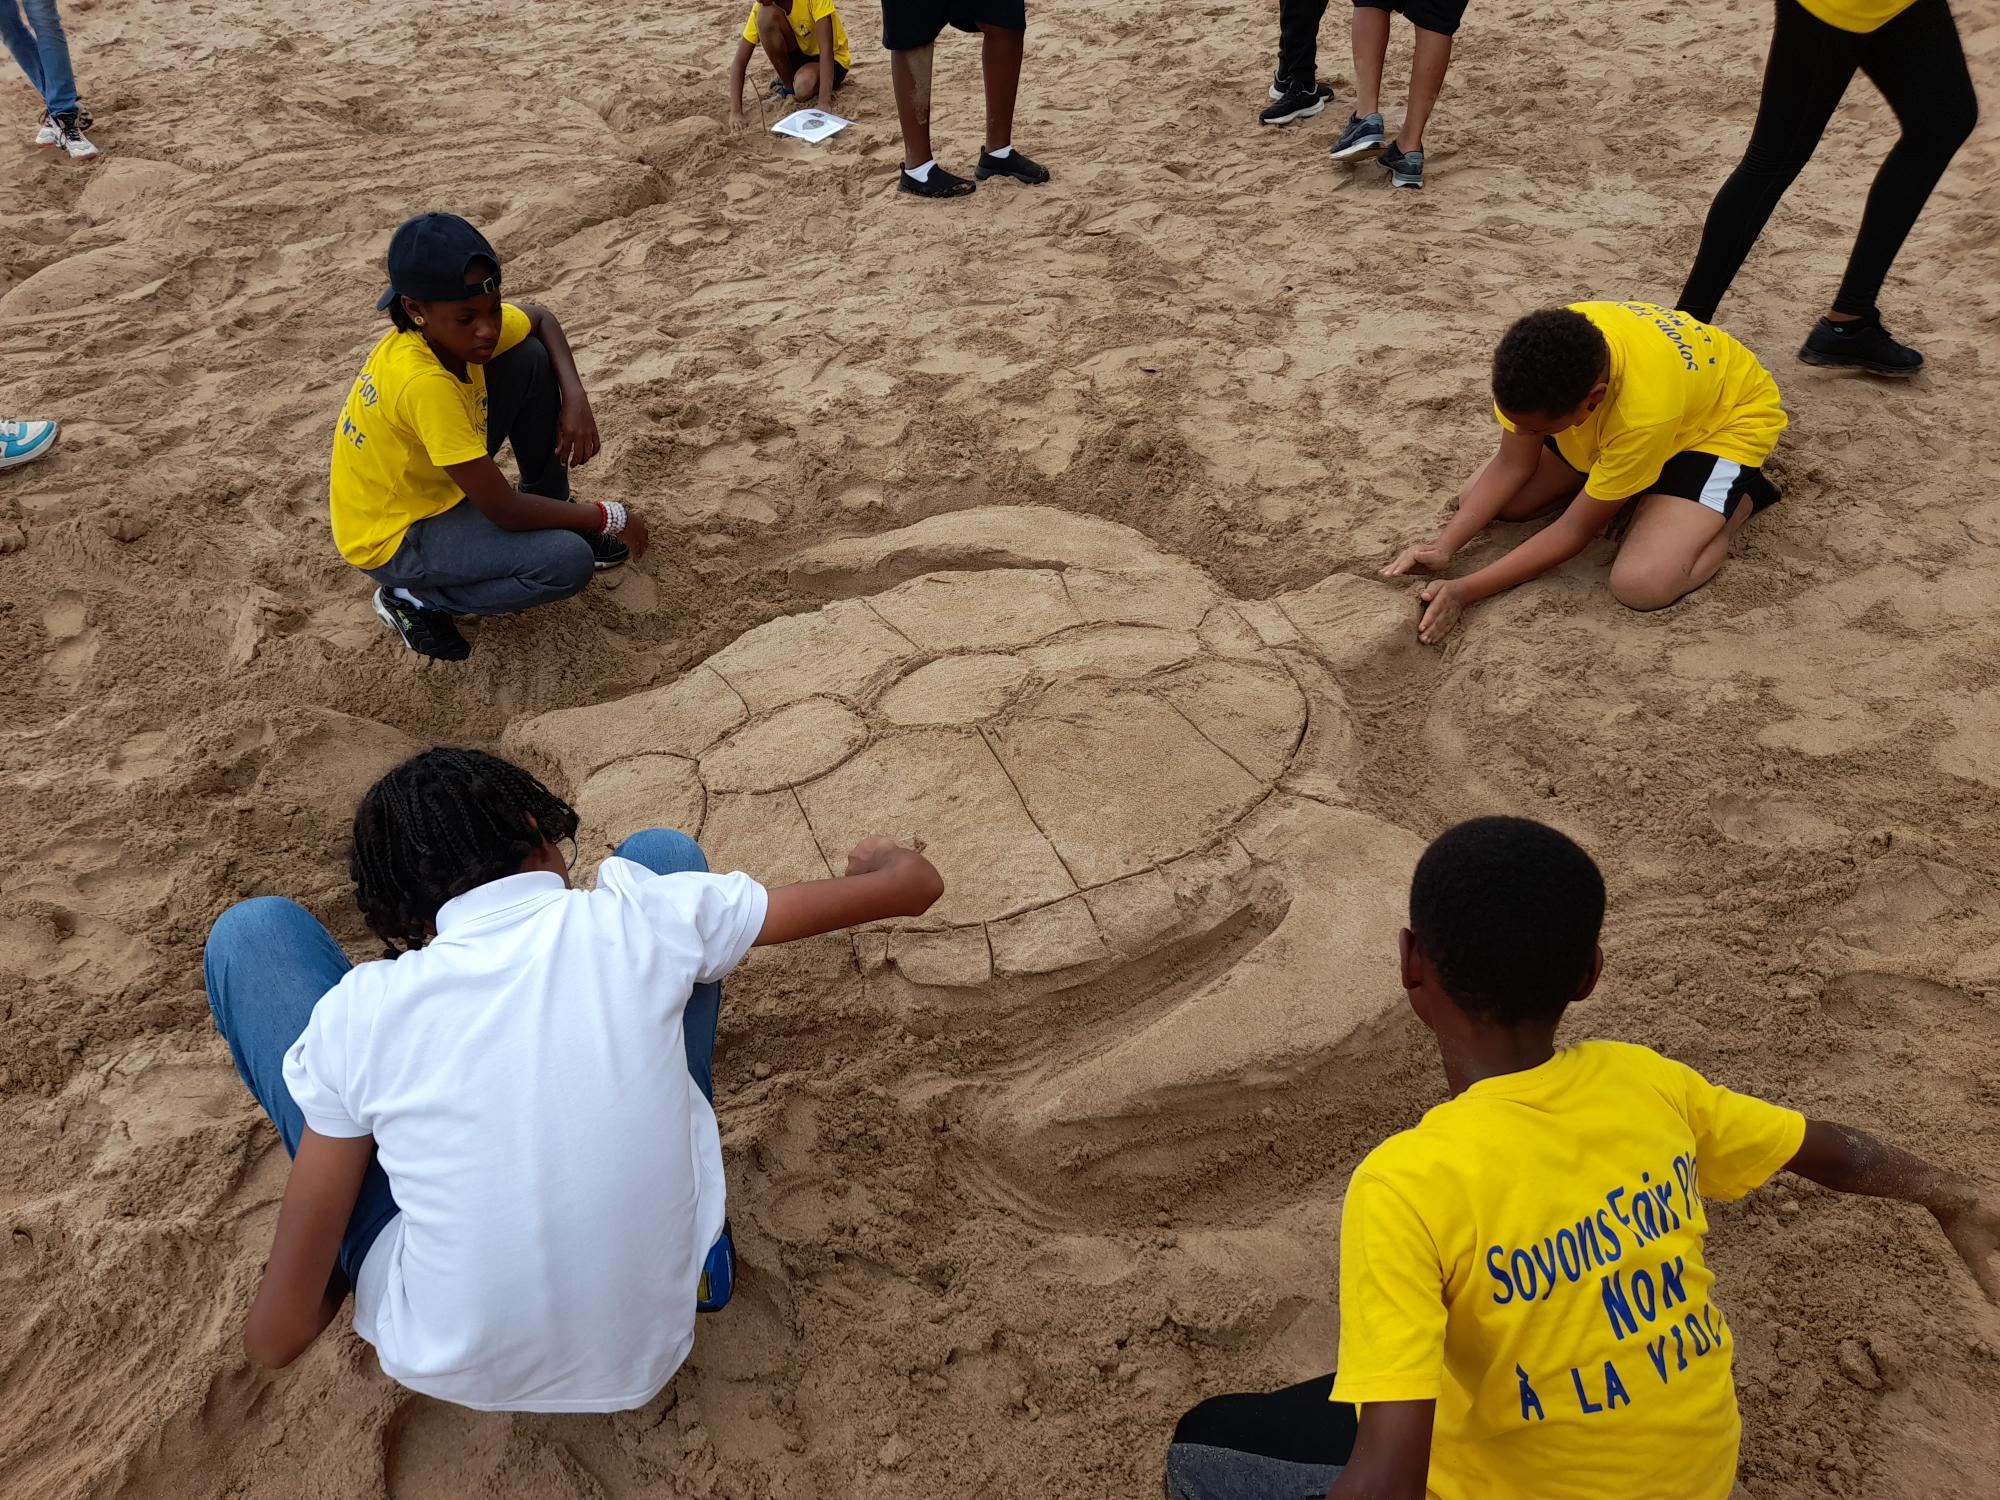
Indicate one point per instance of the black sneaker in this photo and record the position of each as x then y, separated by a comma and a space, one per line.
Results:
1406, 168
939, 184
1363, 133
428, 632
1282, 86
1013, 164
606, 551
1863, 344
1296, 103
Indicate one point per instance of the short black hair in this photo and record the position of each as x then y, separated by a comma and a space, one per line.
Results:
1547, 363
439, 824
1508, 911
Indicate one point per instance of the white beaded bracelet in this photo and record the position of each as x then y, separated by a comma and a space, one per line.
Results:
615, 516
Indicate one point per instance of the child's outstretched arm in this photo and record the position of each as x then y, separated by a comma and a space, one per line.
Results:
1485, 495
1853, 1161
296, 1299
883, 879
484, 483
823, 33
739, 67
1549, 548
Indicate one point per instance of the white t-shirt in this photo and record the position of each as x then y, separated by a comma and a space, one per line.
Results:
559, 1174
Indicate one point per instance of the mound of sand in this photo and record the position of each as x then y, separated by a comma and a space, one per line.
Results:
1044, 526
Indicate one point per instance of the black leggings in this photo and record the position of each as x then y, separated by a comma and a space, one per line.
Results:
1300, 1424
1918, 63
523, 407
1298, 40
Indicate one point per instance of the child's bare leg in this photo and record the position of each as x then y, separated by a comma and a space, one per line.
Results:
1673, 548
1554, 483
1000, 64
1427, 69
805, 82
910, 76
1371, 46
774, 34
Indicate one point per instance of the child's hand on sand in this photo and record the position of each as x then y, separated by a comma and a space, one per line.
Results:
909, 867
1444, 602
1426, 557
1973, 1228
635, 534
736, 118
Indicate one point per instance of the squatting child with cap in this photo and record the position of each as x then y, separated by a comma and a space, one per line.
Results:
416, 500
1526, 1307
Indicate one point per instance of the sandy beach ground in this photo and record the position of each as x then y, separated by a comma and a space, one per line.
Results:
1014, 1189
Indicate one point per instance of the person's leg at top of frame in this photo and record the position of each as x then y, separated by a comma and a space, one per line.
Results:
910, 29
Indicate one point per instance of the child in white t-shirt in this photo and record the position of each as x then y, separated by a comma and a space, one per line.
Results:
503, 1139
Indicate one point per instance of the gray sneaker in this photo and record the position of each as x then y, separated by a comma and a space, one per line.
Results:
1406, 168
1363, 133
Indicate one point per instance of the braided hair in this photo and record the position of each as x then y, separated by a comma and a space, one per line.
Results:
439, 824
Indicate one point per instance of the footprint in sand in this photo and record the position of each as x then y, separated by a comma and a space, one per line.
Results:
146, 754
66, 620
1774, 822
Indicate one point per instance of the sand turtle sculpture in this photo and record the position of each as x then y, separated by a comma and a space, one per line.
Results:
1106, 754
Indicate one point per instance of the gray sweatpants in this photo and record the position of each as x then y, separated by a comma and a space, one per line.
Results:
460, 561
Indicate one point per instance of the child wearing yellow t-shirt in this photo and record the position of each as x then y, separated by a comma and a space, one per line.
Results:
416, 500
1609, 407
1525, 1308
798, 37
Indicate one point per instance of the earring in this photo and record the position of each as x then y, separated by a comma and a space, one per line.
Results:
418, 321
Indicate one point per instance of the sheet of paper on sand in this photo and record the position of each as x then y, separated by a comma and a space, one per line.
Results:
810, 125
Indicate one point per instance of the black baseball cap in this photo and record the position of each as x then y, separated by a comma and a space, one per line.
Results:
427, 260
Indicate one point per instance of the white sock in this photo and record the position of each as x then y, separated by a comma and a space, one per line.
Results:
922, 173
1006, 150
409, 598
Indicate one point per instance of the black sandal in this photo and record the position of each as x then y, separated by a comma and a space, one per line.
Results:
1014, 164
939, 184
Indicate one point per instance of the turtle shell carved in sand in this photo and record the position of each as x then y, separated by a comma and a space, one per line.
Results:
1075, 724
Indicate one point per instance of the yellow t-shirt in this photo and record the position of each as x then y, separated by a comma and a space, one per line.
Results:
1857, 15
405, 420
1530, 1255
804, 13
1677, 385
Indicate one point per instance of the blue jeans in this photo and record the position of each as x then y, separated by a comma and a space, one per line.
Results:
269, 961
461, 562
35, 36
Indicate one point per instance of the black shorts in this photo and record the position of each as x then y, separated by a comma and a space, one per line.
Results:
1441, 16
910, 24
1717, 483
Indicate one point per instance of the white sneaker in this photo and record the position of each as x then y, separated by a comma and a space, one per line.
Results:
45, 133
24, 442
69, 136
